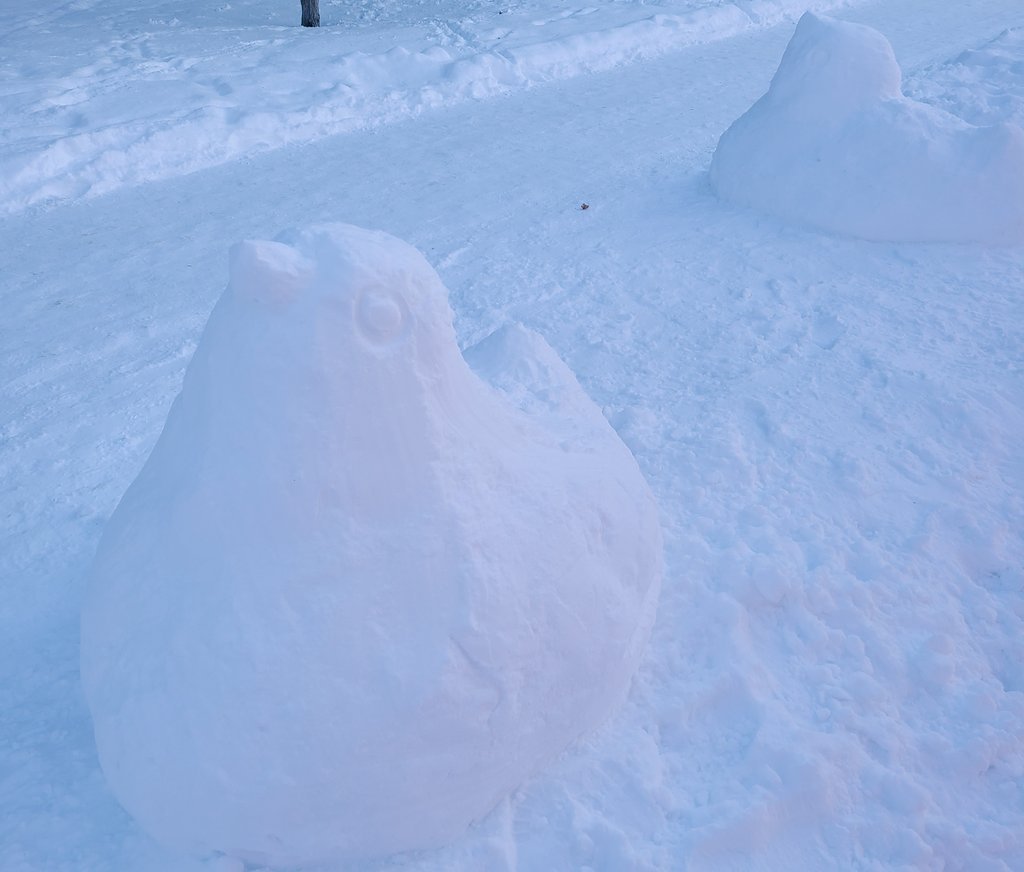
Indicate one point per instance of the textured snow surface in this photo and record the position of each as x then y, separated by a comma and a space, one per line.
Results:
356, 596
835, 144
983, 85
831, 427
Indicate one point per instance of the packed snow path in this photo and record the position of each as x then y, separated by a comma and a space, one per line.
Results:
831, 428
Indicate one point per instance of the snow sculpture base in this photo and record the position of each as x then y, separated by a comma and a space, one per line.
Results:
357, 595
835, 145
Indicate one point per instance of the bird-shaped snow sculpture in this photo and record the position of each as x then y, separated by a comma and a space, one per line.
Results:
834, 144
357, 594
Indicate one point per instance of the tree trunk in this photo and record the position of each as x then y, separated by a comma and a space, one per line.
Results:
310, 13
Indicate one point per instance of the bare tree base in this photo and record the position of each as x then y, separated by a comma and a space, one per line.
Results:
310, 13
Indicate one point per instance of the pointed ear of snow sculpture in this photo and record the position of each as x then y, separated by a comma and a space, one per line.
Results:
357, 594
835, 145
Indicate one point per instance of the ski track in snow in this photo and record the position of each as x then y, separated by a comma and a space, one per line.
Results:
831, 427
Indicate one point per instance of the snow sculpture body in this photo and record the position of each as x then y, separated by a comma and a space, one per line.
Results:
835, 144
357, 595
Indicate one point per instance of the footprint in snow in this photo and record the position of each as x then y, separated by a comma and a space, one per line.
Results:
826, 331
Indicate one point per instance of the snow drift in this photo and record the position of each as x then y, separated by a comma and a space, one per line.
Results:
357, 595
834, 144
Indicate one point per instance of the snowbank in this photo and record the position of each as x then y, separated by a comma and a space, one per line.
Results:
357, 595
834, 144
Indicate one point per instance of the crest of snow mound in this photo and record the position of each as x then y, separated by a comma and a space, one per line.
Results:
357, 594
834, 144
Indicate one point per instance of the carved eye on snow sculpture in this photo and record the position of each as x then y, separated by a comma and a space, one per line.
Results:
382, 317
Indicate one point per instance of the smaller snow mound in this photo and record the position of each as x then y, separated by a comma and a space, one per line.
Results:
834, 144
357, 595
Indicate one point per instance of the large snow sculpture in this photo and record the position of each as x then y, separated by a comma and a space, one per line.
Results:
357, 594
835, 144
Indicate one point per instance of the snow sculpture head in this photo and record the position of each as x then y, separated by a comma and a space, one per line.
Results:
835, 145
357, 594
837, 66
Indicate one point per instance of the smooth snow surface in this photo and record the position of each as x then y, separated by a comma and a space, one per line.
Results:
834, 144
356, 596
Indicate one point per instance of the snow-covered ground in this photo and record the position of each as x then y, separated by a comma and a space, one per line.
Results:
831, 427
